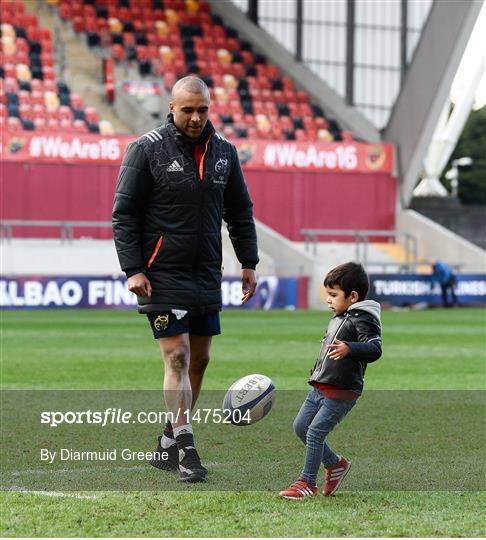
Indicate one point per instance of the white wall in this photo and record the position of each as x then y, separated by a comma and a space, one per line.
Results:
437, 242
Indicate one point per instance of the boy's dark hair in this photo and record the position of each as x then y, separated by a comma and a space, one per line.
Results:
349, 277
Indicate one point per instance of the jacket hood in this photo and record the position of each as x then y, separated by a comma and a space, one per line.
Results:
370, 306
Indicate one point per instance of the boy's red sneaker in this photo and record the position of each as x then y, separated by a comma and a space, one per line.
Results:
335, 475
298, 490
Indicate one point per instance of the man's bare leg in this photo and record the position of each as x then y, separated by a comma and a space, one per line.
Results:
178, 398
177, 386
200, 347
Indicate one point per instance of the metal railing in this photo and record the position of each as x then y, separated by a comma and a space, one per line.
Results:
362, 236
66, 228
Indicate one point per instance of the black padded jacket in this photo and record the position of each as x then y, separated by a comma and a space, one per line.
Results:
167, 217
360, 329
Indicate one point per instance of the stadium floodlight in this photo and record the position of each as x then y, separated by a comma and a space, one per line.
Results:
465, 161
453, 173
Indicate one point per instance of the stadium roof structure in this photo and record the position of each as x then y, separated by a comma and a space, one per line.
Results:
425, 48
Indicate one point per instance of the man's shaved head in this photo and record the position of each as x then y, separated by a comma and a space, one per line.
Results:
190, 106
191, 84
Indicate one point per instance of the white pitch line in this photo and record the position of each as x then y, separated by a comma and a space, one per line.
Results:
90, 469
68, 470
51, 493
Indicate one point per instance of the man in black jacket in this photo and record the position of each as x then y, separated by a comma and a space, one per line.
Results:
176, 185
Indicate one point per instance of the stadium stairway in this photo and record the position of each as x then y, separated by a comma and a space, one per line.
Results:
251, 96
81, 69
435, 241
397, 253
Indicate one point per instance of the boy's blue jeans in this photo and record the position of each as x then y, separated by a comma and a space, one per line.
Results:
316, 419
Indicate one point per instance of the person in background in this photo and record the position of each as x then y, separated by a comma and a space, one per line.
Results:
443, 274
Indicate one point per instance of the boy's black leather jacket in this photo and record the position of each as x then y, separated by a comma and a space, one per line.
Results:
360, 329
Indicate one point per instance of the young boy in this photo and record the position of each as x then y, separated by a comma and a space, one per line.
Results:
352, 340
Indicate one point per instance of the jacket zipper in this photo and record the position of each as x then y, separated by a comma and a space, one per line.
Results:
195, 270
160, 241
201, 163
335, 336
320, 362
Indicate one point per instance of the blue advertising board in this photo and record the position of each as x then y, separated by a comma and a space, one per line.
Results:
42, 292
409, 289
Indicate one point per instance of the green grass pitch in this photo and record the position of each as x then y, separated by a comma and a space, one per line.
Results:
83, 349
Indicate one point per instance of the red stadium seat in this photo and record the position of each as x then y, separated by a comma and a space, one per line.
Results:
26, 112
118, 52
102, 24
91, 24
89, 10
39, 111
169, 79
347, 136
79, 126
128, 38
92, 115
277, 133
321, 123
36, 85
288, 84
77, 101
228, 132
285, 122
252, 132
301, 135
37, 98
48, 73
9, 71
273, 72
258, 95
65, 113
302, 97
14, 124
47, 47
77, 8
151, 38
78, 24
47, 60
50, 86
25, 97
65, 124
65, 11
53, 123
40, 123
11, 85
309, 122
22, 45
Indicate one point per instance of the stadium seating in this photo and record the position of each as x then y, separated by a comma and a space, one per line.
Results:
31, 97
171, 38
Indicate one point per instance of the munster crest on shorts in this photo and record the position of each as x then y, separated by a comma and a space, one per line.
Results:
161, 322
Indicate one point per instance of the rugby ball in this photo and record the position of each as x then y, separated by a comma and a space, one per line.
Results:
249, 399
